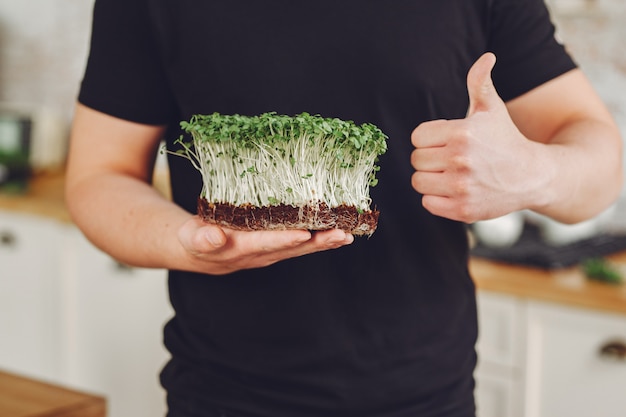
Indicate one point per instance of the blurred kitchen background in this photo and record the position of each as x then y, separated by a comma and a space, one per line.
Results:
72, 316
43, 45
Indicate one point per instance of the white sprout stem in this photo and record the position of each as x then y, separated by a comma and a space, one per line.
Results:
262, 176
303, 170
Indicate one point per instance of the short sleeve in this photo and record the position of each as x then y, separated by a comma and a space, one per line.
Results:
522, 37
124, 75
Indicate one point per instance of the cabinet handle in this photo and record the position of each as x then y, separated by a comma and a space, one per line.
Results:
614, 349
8, 239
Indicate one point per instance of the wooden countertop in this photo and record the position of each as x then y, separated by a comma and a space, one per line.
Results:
566, 286
24, 397
45, 197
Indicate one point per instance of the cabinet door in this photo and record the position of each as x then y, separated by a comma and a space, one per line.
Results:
500, 350
116, 331
567, 373
501, 331
31, 329
497, 395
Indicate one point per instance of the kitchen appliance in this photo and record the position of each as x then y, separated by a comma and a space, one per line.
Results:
32, 139
532, 250
15, 146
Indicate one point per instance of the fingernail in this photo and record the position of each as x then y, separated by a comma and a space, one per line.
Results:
347, 238
214, 237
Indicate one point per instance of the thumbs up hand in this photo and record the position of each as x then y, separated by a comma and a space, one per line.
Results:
473, 168
482, 93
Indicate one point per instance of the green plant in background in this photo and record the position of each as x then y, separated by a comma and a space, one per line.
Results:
14, 172
599, 269
269, 159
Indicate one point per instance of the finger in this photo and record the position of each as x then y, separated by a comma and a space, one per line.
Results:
452, 209
329, 239
264, 255
211, 234
482, 93
429, 159
265, 241
430, 183
321, 240
430, 134
441, 206
197, 236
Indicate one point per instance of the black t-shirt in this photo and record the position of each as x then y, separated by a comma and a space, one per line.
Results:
386, 326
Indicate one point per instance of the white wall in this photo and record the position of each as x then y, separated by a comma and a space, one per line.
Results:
43, 47
595, 34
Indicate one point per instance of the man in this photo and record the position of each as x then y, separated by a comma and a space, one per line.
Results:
294, 323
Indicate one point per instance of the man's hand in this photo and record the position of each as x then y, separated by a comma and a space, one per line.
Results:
217, 250
478, 167
110, 198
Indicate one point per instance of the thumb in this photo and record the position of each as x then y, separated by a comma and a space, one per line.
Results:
196, 236
482, 93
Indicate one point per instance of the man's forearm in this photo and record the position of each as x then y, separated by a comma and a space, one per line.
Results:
127, 218
583, 171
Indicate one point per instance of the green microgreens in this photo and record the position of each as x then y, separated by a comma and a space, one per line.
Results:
266, 159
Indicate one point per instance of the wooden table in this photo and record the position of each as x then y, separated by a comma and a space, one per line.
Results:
24, 397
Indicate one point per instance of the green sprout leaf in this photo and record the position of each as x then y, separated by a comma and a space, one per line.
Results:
272, 158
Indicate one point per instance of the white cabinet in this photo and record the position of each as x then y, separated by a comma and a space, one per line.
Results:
116, 331
31, 296
71, 315
568, 375
497, 395
501, 349
539, 359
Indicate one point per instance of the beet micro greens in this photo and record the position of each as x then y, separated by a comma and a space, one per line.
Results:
270, 159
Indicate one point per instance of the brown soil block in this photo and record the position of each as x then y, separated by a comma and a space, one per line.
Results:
282, 217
